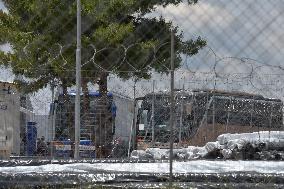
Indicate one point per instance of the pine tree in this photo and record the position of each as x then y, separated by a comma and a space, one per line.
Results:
117, 37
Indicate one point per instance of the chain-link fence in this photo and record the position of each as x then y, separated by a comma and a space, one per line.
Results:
226, 57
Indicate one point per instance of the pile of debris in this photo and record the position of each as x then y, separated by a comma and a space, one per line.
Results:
262, 145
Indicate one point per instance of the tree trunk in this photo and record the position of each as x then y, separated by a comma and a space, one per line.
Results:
69, 127
103, 133
86, 100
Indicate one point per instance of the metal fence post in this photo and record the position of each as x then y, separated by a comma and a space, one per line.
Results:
153, 113
172, 109
181, 115
78, 82
132, 135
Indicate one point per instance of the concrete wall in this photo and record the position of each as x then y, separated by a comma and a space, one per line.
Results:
10, 117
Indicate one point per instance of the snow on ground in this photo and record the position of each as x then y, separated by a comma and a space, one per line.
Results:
226, 144
262, 136
197, 166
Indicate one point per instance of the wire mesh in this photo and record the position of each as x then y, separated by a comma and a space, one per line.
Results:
228, 80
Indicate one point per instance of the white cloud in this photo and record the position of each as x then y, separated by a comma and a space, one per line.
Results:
234, 28
197, 16
6, 48
2, 7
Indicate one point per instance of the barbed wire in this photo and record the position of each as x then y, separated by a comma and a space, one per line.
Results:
221, 67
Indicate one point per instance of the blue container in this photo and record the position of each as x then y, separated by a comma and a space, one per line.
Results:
31, 136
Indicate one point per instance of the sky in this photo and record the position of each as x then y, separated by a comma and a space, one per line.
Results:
251, 30
237, 28
240, 28
4, 47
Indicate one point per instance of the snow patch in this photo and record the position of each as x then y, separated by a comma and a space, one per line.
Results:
198, 166
227, 145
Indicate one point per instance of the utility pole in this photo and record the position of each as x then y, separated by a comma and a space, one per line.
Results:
172, 108
78, 82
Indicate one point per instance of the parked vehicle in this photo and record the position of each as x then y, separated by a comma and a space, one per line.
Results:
216, 112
